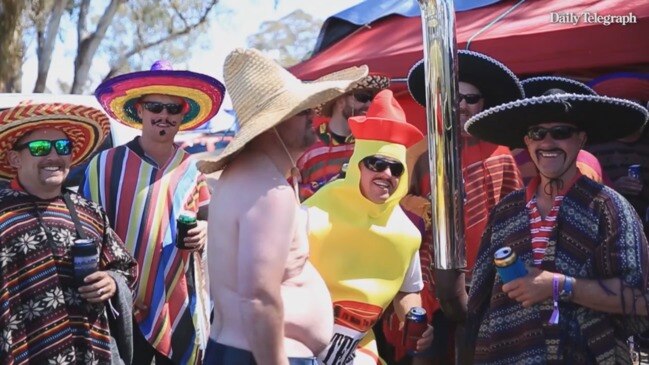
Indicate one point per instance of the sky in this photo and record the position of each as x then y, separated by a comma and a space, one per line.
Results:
237, 20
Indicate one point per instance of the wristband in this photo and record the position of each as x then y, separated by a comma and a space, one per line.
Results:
567, 292
554, 318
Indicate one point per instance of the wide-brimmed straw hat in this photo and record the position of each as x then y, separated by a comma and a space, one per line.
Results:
537, 86
264, 94
85, 126
496, 82
374, 82
202, 94
625, 85
602, 118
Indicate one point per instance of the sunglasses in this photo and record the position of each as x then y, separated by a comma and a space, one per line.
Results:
380, 164
305, 113
363, 97
157, 107
470, 98
559, 132
43, 147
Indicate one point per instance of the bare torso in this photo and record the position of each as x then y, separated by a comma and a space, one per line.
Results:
308, 317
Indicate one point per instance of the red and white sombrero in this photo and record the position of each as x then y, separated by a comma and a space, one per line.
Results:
85, 126
203, 94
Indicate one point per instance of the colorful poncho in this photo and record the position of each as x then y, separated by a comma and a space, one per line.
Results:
43, 318
323, 161
143, 202
597, 236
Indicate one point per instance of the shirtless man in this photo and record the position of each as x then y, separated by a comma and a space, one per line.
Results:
271, 305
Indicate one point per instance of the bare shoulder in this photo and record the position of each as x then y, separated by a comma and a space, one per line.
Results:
254, 182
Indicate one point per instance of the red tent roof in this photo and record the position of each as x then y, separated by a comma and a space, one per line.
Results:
526, 40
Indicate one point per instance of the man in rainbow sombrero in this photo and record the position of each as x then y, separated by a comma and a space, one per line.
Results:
324, 160
47, 315
145, 186
570, 232
361, 241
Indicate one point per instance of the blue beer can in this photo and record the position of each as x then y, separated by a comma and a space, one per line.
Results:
634, 171
508, 265
85, 258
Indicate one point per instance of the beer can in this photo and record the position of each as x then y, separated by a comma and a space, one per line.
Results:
415, 326
634, 172
85, 258
184, 223
508, 265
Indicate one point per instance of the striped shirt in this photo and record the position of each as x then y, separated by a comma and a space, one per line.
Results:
143, 201
323, 161
43, 318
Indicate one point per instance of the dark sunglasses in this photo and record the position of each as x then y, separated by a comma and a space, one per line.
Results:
559, 132
157, 107
305, 113
363, 97
470, 98
43, 147
380, 164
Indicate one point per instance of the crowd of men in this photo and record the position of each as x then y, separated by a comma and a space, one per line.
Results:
303, 244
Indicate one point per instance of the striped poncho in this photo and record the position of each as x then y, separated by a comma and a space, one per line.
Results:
143, 201
597, 236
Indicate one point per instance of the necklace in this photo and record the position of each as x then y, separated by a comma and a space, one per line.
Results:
295, 172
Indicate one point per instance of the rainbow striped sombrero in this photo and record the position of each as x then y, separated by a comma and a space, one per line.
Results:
85, 126
203, 94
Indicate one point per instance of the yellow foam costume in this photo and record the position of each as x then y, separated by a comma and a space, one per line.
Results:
363, 249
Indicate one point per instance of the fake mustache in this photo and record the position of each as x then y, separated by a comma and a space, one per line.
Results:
163, 123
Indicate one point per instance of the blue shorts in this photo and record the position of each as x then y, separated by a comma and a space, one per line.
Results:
218, 354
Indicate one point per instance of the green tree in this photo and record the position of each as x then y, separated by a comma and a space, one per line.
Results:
289, 40
129, 34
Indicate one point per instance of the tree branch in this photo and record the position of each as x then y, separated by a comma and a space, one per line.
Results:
84, 8
88, 46
170, 37
46, 42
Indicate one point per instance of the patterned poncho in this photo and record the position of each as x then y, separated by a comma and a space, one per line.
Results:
143, 201
597, 236
43, 318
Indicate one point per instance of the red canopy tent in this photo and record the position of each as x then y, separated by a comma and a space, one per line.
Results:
526, 40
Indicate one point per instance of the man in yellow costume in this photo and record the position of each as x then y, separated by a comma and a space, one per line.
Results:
361, 242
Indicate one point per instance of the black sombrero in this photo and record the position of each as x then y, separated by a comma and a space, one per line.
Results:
602, 118
496, 82
537, 86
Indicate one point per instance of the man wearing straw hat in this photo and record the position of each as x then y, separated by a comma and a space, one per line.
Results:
271, 305
50, 311
324, 160
145, 186
570, 232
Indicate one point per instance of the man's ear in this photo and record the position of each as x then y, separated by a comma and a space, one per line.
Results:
526, 140
138, 109
14, 158
583, 138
